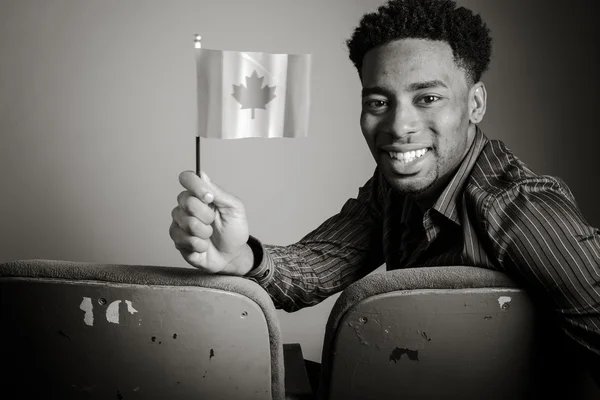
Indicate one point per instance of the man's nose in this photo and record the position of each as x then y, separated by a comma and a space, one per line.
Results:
402, 121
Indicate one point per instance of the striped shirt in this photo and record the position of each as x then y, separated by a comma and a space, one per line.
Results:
495, 213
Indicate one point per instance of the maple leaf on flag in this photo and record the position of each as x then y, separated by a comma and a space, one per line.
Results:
253, 95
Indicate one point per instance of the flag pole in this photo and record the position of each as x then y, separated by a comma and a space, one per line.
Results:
197, 45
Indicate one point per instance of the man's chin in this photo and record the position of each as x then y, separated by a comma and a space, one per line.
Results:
409, 184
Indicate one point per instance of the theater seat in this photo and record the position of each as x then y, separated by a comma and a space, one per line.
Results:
88, 331
445, 333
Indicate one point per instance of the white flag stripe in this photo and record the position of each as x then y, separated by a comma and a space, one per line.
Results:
297, 104
252, 94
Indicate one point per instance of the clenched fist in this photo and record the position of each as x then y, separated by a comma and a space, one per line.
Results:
210, 228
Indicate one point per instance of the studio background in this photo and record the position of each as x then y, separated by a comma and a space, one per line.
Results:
97, 120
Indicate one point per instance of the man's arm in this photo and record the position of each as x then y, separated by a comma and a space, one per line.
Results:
542, 237
342, 250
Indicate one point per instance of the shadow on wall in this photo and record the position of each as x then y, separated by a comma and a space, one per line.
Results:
542, 87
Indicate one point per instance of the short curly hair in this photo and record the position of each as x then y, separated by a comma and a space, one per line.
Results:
465, 32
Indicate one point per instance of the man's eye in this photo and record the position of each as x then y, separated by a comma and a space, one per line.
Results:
375, 104
428, 99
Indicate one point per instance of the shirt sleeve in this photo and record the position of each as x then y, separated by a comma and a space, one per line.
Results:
345, 248
542, 238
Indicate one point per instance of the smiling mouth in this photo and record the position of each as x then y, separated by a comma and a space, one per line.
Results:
409, 156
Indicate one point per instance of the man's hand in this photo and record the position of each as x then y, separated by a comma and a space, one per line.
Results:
210, 228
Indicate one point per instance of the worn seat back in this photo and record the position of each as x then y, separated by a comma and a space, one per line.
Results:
75, 330
439, 333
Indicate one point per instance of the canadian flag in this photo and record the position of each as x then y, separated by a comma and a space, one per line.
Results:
252, 94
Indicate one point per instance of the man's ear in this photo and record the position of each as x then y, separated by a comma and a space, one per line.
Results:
477, 102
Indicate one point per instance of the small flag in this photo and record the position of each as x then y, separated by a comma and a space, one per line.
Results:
252, 94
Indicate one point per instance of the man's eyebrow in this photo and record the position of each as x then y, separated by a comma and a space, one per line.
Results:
413, 87
375, 90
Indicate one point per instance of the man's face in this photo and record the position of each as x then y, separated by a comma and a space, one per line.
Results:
416, 108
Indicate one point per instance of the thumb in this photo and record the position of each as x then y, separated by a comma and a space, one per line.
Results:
204, 176
220, 197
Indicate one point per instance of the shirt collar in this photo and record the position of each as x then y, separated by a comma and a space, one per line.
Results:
446, 204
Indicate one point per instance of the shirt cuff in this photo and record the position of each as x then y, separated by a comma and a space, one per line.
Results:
263, 269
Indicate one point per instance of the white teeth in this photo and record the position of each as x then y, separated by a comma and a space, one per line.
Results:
408, 156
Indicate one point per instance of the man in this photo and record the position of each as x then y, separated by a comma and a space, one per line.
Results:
442, 193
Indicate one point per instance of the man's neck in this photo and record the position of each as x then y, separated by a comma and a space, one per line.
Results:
427, 199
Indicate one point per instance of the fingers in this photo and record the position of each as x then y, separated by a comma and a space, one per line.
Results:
201, 188
209, 192
191, 257
192, 228
191, 225
204, 176
191, 205
198, 260
185, 242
